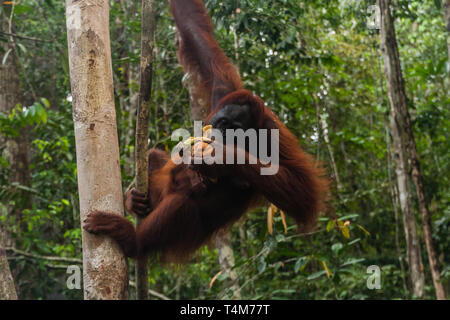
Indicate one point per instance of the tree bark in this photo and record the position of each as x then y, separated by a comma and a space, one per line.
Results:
7, 289
397, 97
226, 260
425, 215
395, 201
409, 221
99, 180
404, 137
132, 105
142, 124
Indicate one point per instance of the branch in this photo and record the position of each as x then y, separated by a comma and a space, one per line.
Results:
48, 258
23, 37
142, 124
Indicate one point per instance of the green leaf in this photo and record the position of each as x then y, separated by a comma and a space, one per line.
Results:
22, 8
6, 56
363, 229
327, 270
354, 241
22, 47
316, 275
222, 276
32, 111
331, 225
45, 102
301, 263
352, 261
337, 247
345, 232
349, 216
344, 229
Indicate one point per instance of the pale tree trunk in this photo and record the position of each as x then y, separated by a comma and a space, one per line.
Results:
243, 240
409, 222
99, 181
223, 238
326, 138
322, 126
351, 176
242, 233
395, 200
394, 82
401, 123
446, 7
198, 106
132, 105
226, 260
7, 289
16, 148
142, 124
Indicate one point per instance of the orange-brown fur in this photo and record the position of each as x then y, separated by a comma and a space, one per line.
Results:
187, 208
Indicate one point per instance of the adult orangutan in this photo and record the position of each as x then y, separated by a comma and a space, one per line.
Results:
187, 204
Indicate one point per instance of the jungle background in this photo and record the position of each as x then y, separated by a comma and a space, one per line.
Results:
317, 65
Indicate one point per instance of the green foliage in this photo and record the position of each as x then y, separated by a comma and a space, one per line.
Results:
311, 61
19, 118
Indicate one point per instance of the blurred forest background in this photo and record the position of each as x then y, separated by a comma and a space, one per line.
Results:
319, 67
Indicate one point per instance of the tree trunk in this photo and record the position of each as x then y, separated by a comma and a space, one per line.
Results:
323, 127
396, 97
7, 289
395, 201
132, 105
447, 23
223, 238
409, 221
142, 124
424, 213
198, 107
243, 240
401, 123
16, 148
99, 181
226, 260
